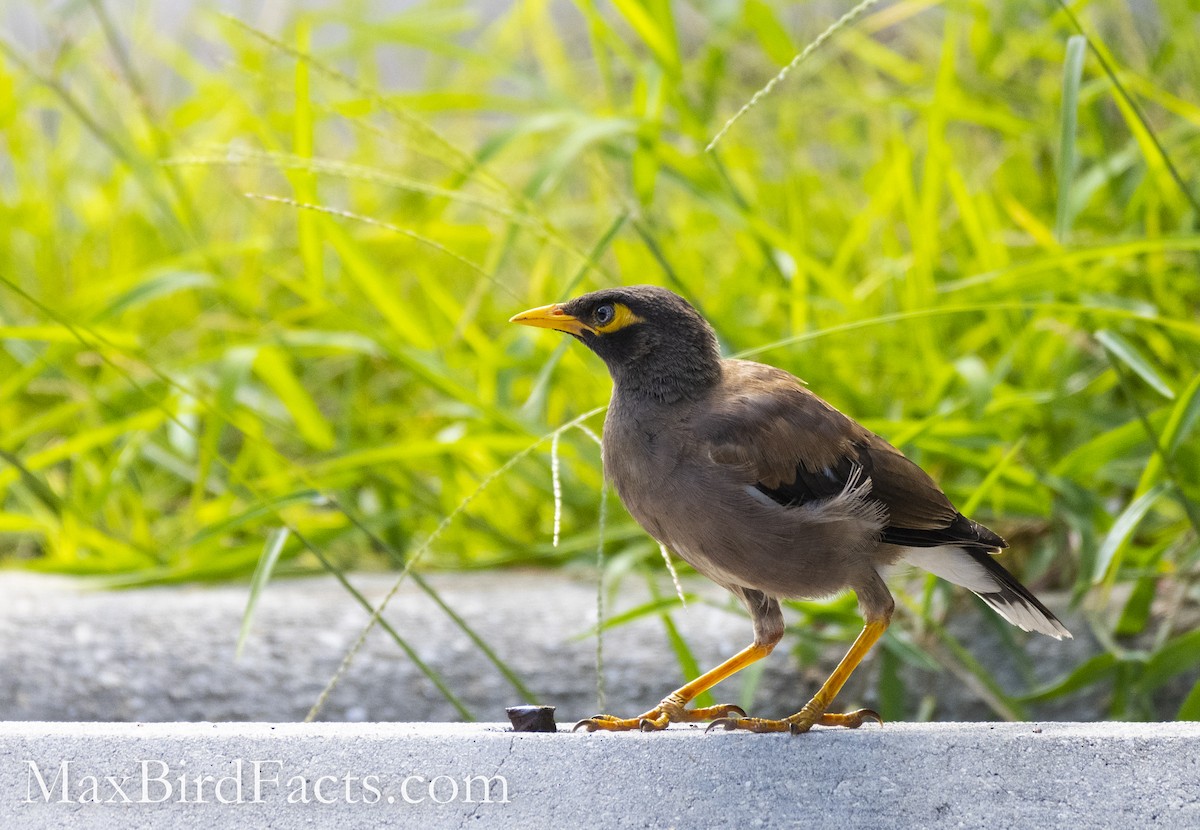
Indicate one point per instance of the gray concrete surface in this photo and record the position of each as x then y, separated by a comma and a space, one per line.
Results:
167, 654
368, 775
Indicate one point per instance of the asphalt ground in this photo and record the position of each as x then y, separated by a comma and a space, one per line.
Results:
168, 653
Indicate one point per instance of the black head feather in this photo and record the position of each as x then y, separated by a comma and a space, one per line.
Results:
664, 350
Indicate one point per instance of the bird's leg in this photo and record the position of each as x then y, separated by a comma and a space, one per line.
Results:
814, 711
768, 631
671, 708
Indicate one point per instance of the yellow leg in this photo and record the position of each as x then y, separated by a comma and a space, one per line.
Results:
814, 711
671, 709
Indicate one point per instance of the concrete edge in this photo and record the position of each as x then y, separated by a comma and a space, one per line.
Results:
350, 775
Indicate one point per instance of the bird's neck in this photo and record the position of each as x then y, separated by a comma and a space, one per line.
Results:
667, 379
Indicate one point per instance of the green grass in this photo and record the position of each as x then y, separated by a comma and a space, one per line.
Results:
253, 288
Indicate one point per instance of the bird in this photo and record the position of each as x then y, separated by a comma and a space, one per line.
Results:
767, 490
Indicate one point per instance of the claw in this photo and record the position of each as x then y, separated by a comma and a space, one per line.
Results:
727, 724
594, 722
851, 720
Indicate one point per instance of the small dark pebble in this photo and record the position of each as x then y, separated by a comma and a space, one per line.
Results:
532, 718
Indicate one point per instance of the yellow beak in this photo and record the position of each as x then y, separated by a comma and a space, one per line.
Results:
552, 317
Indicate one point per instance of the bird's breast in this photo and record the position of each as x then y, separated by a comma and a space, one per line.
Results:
637, 453
642, 457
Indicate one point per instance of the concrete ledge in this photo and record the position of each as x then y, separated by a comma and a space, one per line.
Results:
901, 775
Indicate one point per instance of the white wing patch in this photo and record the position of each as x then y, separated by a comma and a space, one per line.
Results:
952, 564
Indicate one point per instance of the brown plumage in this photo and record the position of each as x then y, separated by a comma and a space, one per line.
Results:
767, 490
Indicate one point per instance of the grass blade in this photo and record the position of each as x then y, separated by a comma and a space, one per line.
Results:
1190, 710
156, 287
274, 368
1177, 656
39, 488
1098, 668
1127, 353
258, 582
527, 694
1072, 73
1108, 558
655, 33
1184, 416
843, 21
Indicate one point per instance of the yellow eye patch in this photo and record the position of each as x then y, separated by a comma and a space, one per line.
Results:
621, 318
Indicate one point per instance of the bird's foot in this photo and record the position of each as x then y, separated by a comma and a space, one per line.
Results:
802, 721
667, 712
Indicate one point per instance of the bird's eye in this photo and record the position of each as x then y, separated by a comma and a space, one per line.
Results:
604, 315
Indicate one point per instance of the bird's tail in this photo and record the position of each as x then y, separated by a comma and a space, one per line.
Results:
975, 569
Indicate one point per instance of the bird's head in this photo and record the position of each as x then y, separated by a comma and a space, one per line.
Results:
653, 342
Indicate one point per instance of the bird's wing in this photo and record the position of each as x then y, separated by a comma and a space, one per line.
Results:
796, 448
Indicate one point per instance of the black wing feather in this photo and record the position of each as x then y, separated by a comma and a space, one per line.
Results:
809, 486
962, 531
816, 485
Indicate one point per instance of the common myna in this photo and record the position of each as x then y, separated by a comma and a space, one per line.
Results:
767, 490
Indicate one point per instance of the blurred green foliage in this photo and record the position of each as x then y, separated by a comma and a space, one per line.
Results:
254, 278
